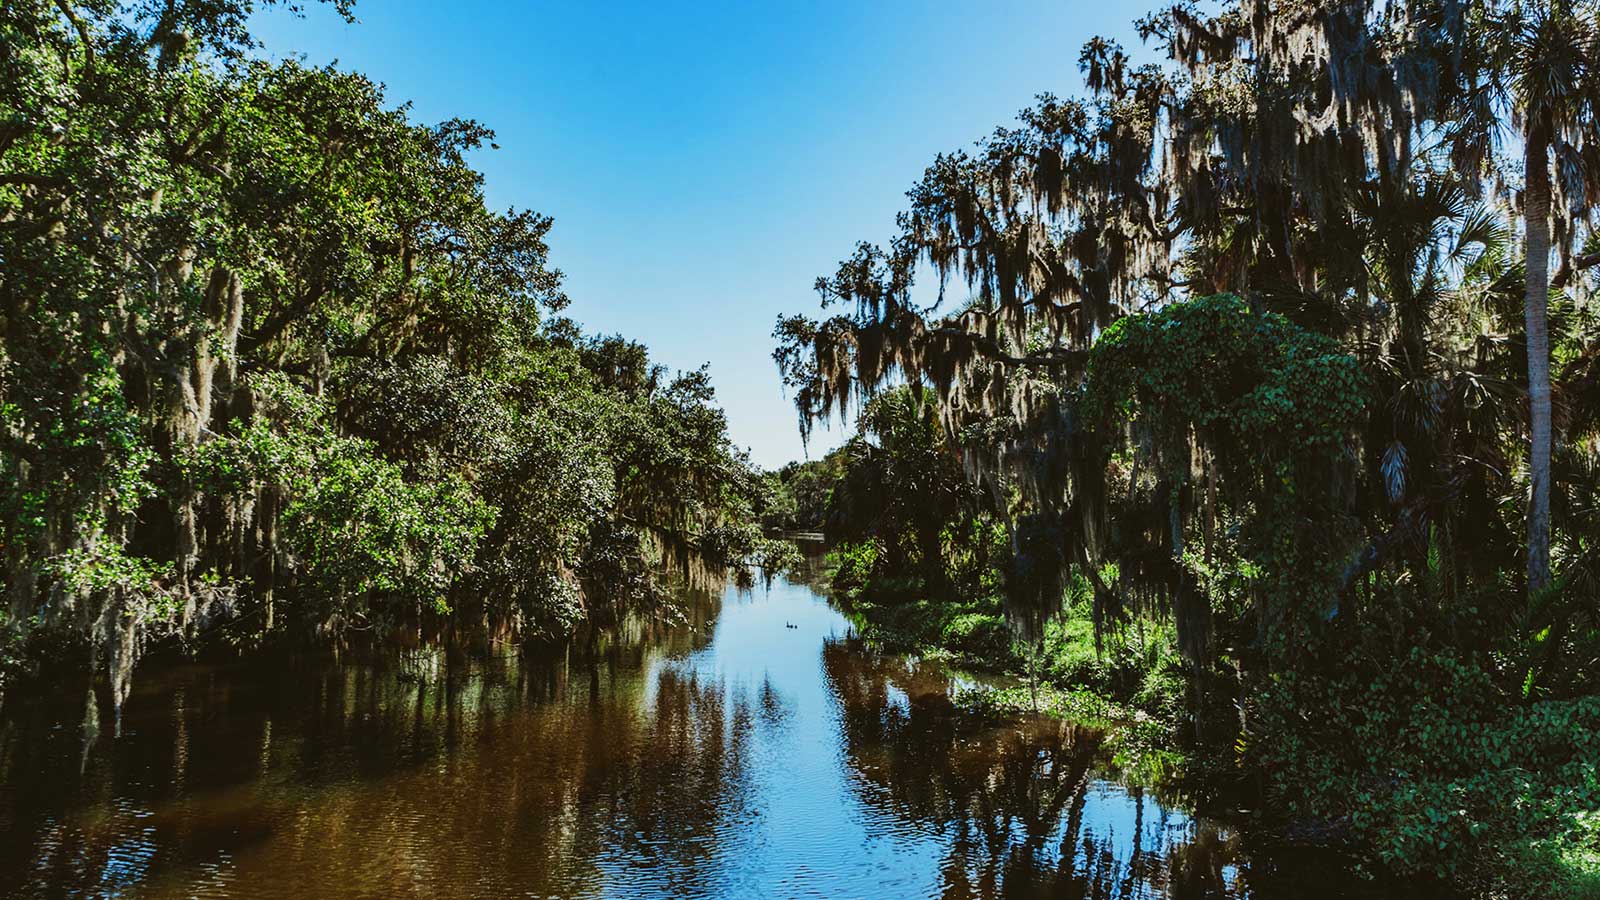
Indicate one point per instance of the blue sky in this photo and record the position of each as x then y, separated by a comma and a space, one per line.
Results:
705, 163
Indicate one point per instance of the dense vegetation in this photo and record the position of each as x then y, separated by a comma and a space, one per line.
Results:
1259, 375
271, 368
1267, 414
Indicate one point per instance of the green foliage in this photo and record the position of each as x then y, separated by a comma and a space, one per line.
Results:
1564, 866
1137, 745
268, 353
103, 566
977, 635
1088, 708
358, 527
1275, 405
852, 565
901, 485
802, 492
1429, 761
1212, 364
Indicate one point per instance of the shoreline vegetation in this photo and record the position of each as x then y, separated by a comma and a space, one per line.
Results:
273, 371
1256, 388
1137, 699
1141, 726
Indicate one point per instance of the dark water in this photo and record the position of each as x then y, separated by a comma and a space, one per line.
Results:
730, 756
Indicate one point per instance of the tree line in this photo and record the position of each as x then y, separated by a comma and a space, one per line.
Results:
272, 367
1287, 341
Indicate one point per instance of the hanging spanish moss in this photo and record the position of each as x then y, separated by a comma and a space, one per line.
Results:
272, 371
1288, 153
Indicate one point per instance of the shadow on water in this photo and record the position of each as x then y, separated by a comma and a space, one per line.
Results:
754, 749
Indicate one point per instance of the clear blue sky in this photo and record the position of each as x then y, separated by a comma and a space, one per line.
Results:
705, 163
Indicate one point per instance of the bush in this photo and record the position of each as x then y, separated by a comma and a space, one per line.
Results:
852, 566
978, 636
1437, 769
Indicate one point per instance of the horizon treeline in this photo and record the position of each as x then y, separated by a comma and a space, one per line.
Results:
271, 367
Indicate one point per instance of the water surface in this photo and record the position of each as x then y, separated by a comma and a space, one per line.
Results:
755, 750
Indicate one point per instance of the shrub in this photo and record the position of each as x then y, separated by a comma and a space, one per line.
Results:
1437, 769
979, 636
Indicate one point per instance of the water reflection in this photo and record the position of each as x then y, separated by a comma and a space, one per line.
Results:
729, 755
1023, 810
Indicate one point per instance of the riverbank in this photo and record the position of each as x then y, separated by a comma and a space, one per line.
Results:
1142, 726
1418, 771
1130, 685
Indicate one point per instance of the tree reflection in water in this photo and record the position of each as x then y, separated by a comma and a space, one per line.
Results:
752, 749
564, 770
1021, 806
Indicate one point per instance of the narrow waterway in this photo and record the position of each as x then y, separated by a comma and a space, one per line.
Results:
754, 750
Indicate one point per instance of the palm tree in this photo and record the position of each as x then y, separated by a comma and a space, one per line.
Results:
1532, 63
1545, 57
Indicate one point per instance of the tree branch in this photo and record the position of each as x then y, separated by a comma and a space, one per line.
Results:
35, 180
991, 349
83, 32
1576, 264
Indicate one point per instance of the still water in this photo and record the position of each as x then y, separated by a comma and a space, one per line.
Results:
755, 750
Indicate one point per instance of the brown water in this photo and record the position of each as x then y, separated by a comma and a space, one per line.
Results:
731, 756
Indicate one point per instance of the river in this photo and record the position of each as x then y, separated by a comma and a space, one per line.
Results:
755, 749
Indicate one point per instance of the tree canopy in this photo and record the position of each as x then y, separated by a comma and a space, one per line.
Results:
272, 366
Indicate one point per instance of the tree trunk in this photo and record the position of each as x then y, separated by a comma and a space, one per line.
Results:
1536, 300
